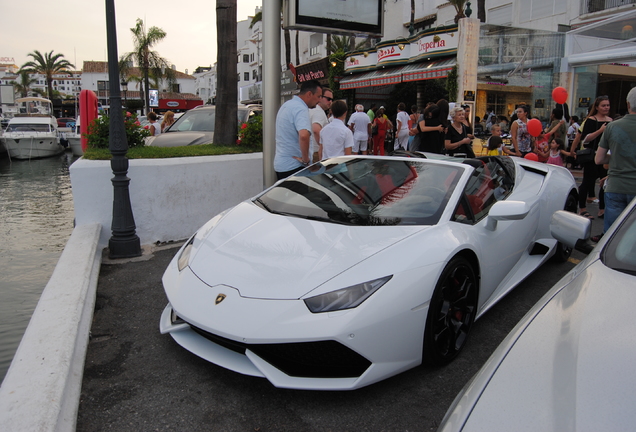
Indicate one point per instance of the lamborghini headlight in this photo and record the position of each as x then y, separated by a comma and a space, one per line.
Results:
346, 298
184, 258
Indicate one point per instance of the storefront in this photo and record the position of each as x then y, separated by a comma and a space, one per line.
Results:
524, 66
602, 61
517, 66
374, 73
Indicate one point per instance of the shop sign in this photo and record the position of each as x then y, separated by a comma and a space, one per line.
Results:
469, 96
539, 103
317, 70
406, 52
311, 75
172, 104
584, 102
361, 61
287, 82
431, 44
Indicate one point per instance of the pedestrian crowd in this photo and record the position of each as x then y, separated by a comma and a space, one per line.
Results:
313, 126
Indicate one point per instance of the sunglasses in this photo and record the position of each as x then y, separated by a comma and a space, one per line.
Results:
328, 98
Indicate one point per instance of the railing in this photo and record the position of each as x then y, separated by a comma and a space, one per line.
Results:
590, 6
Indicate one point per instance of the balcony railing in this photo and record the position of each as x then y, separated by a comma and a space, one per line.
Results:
590, 6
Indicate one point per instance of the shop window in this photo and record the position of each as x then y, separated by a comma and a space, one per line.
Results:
497, 101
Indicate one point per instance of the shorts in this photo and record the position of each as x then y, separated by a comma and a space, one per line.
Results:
359, 145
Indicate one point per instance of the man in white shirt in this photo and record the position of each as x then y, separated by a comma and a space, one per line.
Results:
360, 125
318, 118
402, 124
336, 139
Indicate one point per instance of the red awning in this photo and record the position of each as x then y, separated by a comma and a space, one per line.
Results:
413, 72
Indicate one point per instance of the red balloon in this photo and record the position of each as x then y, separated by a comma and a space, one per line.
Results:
532, 156
534, 127
560, 95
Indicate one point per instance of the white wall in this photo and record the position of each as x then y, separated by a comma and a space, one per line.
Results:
171, 198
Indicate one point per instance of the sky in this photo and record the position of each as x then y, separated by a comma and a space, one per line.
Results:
77, 29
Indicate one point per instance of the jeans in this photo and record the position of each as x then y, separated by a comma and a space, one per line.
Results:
615, 203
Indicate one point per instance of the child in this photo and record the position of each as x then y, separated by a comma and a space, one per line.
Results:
557, 152
494, 146
495, 130
542, 146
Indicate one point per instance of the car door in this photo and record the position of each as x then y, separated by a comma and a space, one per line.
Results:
500, 250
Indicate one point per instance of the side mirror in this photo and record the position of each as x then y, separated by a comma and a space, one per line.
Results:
571, 229
506, 210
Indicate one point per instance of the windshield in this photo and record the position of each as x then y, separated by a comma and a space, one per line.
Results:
29, 127
202, 120
366, 191
620, 252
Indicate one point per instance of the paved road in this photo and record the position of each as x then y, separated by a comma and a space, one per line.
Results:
138, 380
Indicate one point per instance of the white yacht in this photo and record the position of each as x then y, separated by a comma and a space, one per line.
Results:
72, 135
32, 132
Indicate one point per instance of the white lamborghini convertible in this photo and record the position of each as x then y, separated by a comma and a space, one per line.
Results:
358, 268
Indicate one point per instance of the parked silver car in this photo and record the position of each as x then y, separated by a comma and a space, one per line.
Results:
196, 126
567, 365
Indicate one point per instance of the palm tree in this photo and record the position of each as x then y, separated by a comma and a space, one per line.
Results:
344, 44
47, 64
286, 34
144, 57
227, 93
23, 86
460, 5
481, 10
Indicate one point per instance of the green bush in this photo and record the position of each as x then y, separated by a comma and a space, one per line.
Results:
98, 132
250, 134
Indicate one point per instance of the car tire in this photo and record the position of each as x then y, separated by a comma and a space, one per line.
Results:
562, 252
451, 312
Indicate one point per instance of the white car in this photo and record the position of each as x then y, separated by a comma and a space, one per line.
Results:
566, 365
197, 125
358, 268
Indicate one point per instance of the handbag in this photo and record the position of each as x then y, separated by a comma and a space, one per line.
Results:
584, 156
374, 129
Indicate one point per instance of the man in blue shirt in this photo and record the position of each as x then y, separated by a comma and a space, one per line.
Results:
293, 130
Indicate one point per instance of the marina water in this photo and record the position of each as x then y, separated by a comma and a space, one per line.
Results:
36, 220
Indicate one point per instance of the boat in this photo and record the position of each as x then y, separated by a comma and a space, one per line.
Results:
71, 135
32, 132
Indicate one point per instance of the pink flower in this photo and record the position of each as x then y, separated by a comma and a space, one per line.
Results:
244, 126
137, 123
146, 127
238, 142
128, 114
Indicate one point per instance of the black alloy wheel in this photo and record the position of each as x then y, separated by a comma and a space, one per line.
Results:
451, 313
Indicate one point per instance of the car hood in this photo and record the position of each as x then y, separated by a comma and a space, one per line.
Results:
570, 368
178, 139
270, 256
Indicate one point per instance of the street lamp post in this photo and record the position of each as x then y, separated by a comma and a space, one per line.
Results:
124, 86
124, 242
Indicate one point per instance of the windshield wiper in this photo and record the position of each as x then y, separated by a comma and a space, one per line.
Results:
326, 219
